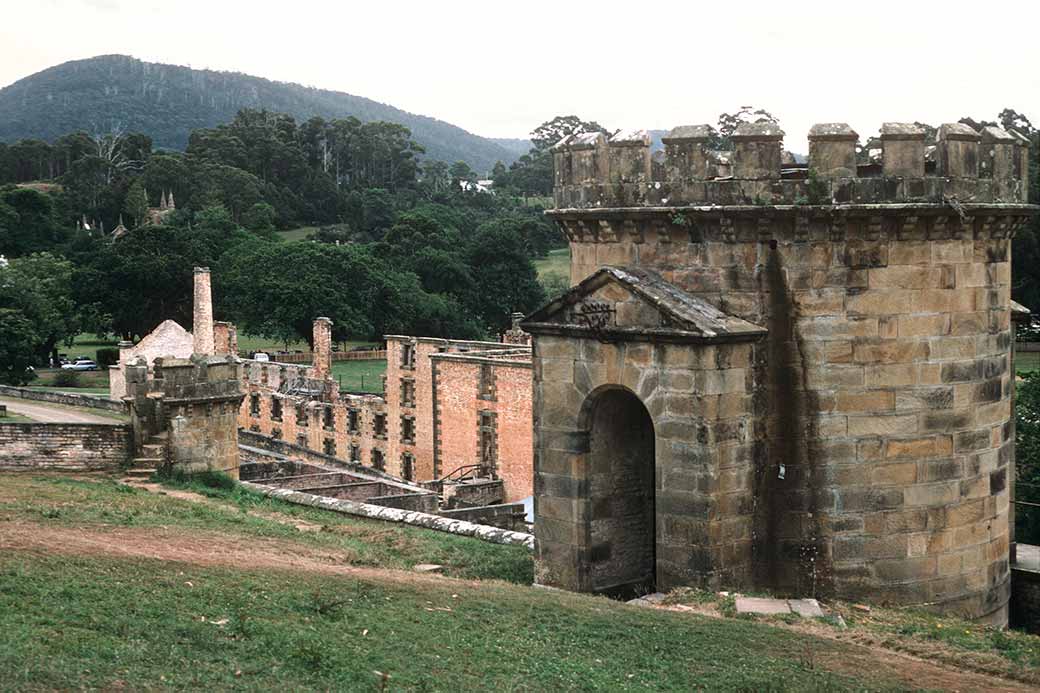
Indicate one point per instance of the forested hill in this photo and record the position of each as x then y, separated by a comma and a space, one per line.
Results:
167, 102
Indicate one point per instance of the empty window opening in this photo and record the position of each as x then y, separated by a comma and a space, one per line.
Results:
408, 430
487, 382
488, 441
407, 392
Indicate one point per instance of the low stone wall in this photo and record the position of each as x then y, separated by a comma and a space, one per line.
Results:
417, 519
64, 446
419, 502
504, 515
302, 454
474, 494
68, 399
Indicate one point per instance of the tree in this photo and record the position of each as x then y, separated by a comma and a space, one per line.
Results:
18, 346
461, 174
505, 279
136, 205
259, 218
729, 122
39, 286
1027, 455
549, 133
146, 276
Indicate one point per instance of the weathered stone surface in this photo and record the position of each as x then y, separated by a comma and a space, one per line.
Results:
762, 606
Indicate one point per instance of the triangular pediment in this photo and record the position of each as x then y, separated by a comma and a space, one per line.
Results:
622, 302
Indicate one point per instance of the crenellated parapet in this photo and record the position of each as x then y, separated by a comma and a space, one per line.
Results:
966, 166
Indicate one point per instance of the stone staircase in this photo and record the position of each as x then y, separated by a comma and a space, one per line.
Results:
153, 454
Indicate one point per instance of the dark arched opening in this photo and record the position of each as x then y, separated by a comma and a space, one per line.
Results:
621, 494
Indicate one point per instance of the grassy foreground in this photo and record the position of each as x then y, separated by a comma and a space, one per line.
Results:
91, 598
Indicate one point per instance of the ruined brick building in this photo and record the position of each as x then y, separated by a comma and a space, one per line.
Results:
451, 408
793, 378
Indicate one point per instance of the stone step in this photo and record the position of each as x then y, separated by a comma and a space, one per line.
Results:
147, 462
140, 472
153, 449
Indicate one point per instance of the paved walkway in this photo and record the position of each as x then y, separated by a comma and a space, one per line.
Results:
44, 412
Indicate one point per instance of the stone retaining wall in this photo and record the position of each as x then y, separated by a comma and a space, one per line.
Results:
493, 535
64, 446
67, 398
505, 515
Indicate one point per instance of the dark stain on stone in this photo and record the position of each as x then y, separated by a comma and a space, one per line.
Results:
786, 400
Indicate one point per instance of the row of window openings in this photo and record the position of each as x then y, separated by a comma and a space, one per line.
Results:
329, 421
486, 391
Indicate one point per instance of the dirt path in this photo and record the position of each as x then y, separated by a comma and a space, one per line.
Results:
53, 413
198, 547
202, 548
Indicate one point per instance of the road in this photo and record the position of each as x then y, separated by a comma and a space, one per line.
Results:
44, 412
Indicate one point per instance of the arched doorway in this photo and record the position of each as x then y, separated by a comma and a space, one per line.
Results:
621, 494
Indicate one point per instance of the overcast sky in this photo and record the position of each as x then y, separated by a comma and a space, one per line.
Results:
500, 68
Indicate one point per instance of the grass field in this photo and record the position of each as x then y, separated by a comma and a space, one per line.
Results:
104, 586
556, 264
1027, 361
360, 376
298, 234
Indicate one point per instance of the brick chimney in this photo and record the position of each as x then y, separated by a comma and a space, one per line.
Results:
202, 327
322, 366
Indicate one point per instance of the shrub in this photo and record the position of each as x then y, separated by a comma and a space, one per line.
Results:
108, 356
67, 379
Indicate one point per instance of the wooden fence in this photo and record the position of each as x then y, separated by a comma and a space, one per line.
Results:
308, 357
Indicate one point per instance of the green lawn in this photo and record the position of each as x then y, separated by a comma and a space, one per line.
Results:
1027, 361
101, 620
298, 234
556, 264
14, 418
360, 376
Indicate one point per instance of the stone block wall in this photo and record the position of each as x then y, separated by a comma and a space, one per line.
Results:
64, 446
872, 442
699, 399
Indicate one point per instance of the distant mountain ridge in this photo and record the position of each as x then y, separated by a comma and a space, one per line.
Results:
167, 102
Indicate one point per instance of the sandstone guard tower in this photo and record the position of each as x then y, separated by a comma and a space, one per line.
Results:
787, 378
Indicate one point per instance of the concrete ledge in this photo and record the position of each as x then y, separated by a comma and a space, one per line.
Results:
67, 398
416, 519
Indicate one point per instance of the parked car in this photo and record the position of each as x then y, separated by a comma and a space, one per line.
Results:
261, 356
80, 365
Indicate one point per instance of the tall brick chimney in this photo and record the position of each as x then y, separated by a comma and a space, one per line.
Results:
322, 347
202, 327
